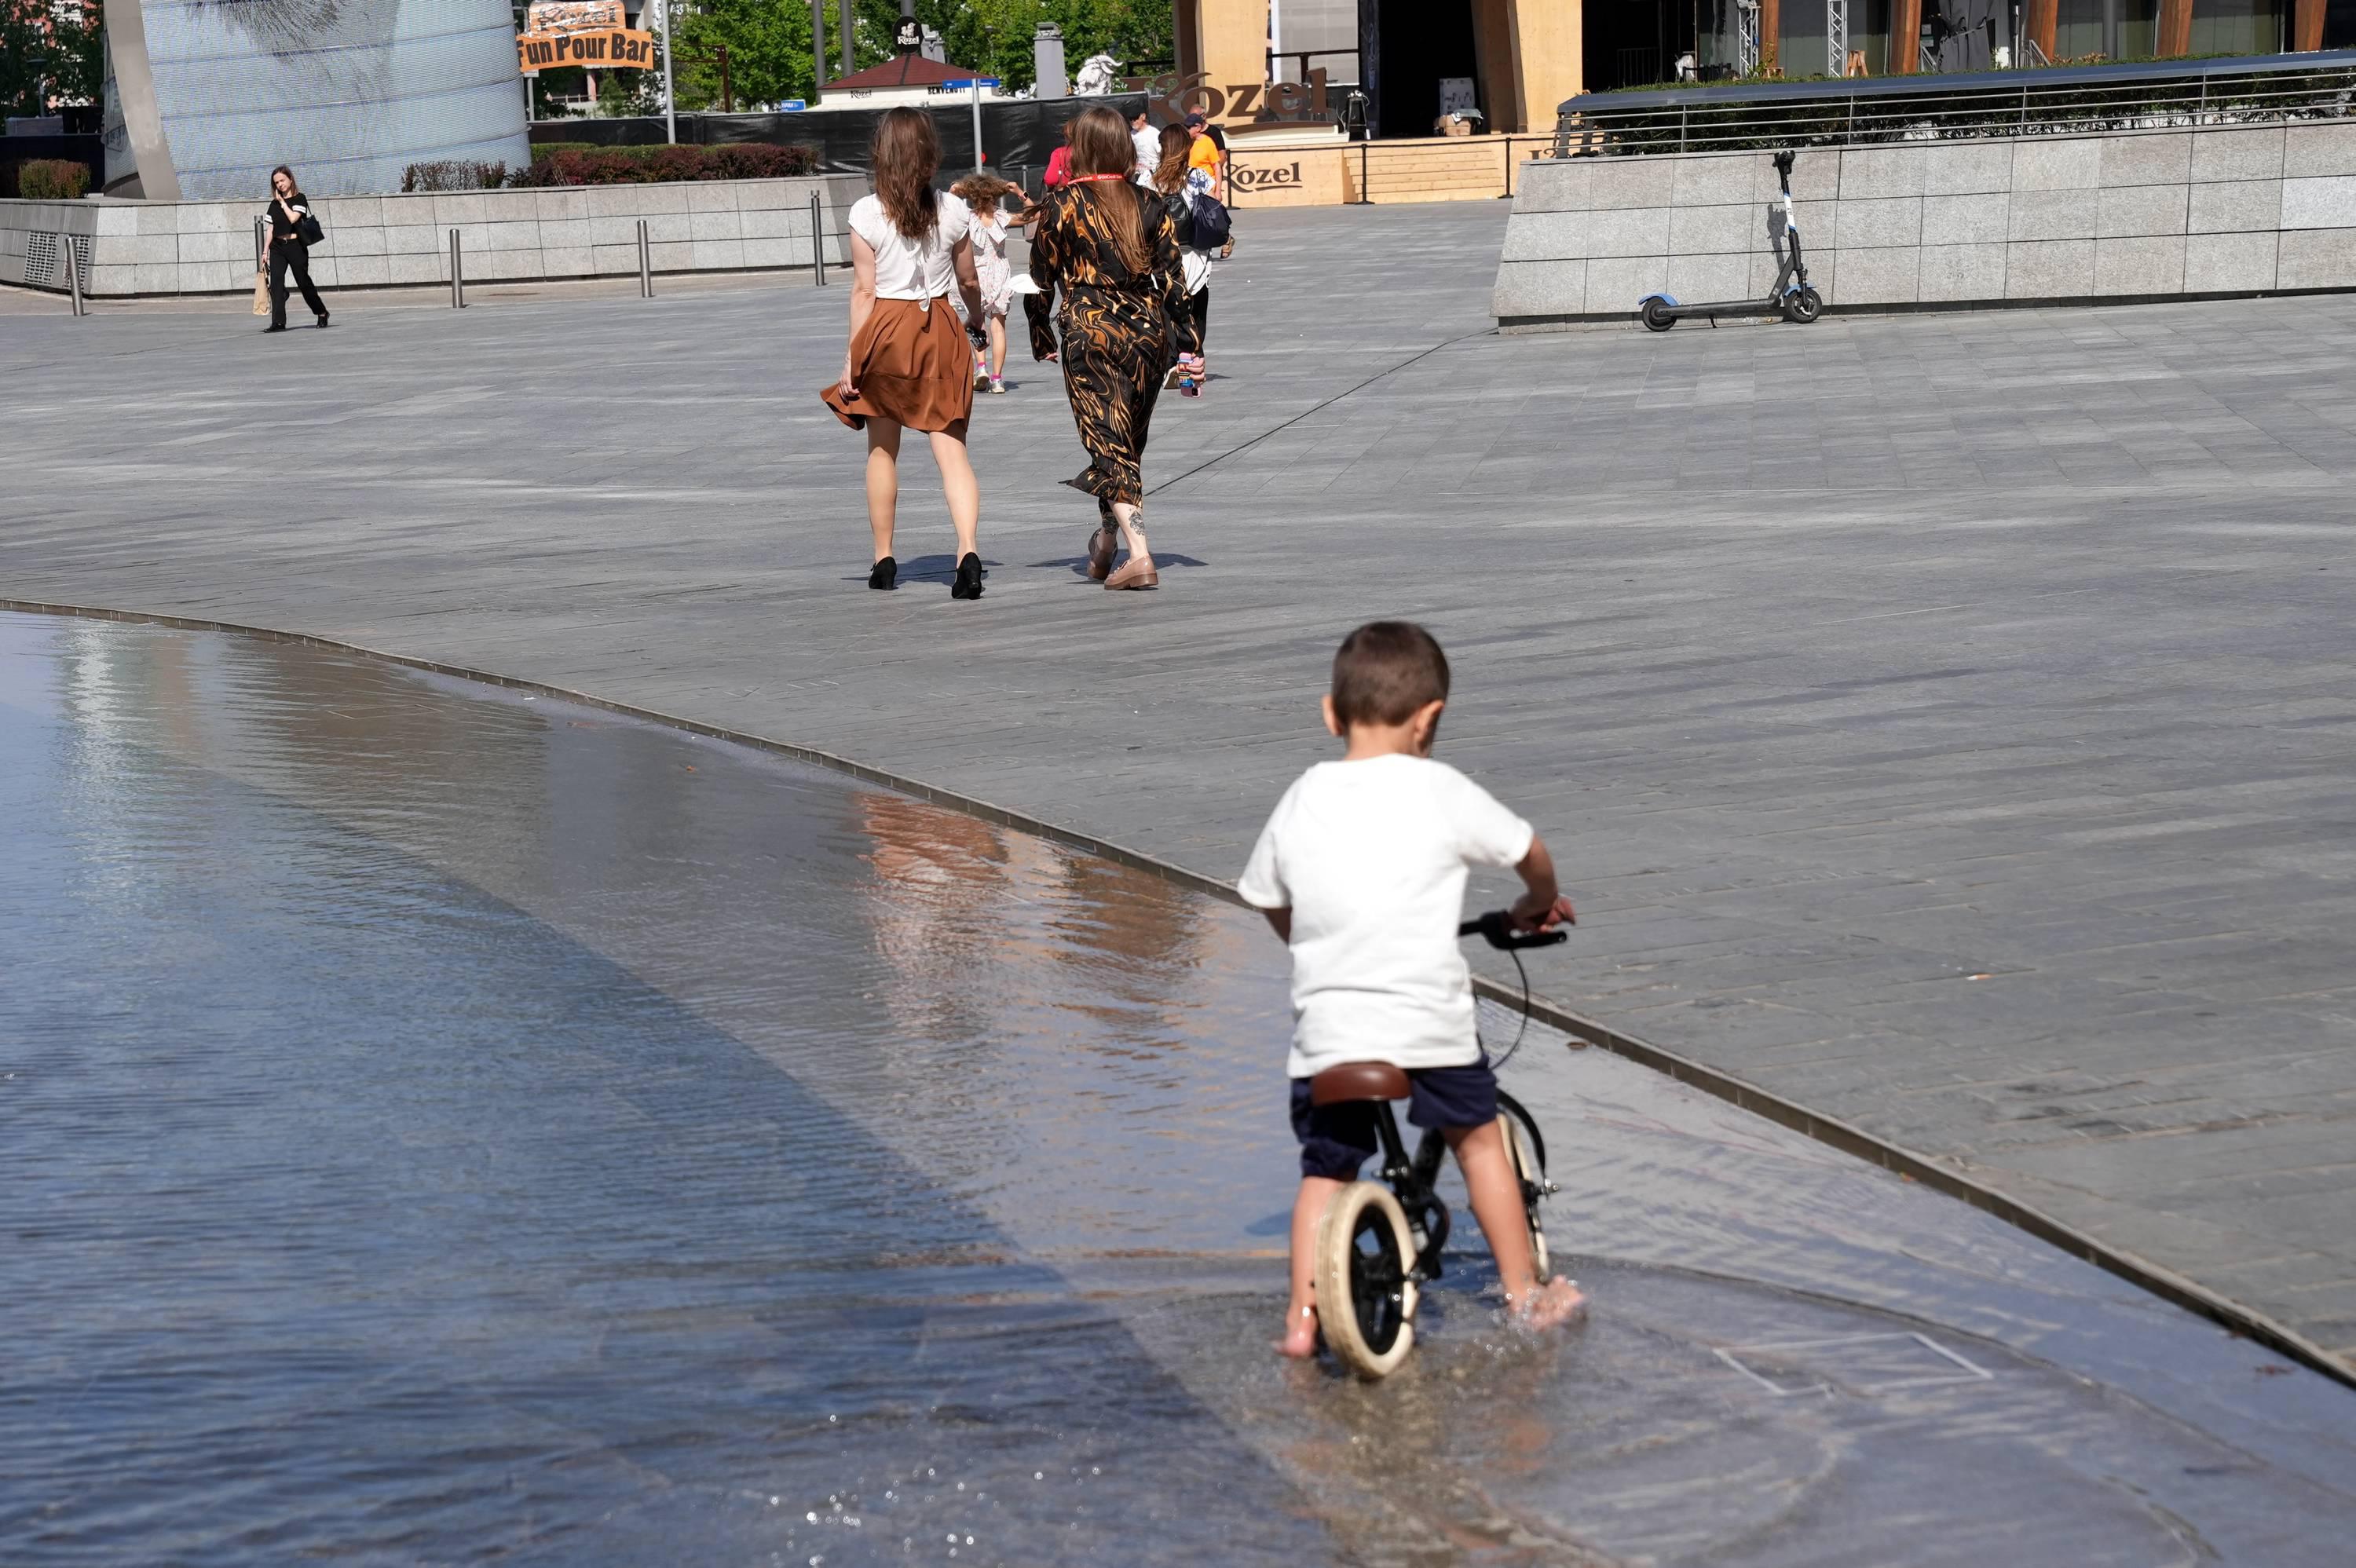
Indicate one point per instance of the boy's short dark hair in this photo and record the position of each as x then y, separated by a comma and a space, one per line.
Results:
1385, 671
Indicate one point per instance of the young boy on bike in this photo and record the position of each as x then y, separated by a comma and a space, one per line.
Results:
1361, 869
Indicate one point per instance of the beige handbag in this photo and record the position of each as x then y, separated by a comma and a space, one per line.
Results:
260, 292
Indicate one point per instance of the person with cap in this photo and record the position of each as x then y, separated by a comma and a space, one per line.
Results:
1209, 152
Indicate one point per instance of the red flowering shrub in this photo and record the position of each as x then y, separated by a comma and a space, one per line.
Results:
648, 166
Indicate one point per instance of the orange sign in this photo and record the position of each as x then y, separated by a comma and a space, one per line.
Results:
614, 49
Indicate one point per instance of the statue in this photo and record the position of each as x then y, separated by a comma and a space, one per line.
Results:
1096, 77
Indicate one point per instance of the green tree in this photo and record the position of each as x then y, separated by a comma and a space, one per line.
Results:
768, 41
48, 58
768, 45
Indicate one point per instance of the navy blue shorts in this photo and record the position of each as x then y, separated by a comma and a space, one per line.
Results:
1335, 1140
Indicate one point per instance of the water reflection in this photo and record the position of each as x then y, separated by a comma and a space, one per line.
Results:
439, 1123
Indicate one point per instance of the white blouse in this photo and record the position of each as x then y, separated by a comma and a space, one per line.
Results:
909, 268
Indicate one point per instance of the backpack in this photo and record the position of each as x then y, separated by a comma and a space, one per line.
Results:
1211, 224
1182, 218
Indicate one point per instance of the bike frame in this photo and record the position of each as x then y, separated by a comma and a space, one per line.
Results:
1413, 1181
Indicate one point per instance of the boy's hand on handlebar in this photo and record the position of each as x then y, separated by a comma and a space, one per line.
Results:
1532, 913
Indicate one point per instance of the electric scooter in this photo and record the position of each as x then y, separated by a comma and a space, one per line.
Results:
1791, 296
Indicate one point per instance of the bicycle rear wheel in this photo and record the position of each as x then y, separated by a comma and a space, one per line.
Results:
1366, 1298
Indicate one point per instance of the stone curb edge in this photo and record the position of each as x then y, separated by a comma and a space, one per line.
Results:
1944, 1178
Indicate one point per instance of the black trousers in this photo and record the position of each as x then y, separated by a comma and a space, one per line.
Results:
1199, 303
296, 254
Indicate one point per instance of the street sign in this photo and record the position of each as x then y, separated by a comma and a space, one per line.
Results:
971, 81
793, 103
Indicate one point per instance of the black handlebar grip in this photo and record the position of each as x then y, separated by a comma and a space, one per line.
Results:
1496, 928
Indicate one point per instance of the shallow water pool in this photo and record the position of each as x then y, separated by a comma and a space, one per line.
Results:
441, 1125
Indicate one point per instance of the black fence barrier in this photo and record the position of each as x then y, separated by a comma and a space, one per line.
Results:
1018, 136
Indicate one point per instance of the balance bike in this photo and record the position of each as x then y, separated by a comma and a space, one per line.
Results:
1380, 1240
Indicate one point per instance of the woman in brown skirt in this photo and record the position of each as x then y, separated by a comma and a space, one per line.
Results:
1110, 245
910, 364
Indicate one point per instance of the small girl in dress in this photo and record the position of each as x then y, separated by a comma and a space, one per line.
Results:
982, 194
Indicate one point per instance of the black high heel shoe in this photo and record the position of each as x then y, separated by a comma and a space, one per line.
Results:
969, 578
886, 574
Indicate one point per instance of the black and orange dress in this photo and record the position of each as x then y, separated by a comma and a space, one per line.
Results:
1122, 330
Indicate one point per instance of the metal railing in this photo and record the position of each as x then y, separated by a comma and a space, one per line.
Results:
2059, 103
2067, 102
1376, 171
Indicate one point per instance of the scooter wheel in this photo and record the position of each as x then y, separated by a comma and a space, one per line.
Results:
1656, 315
1804, 307
1366, 1298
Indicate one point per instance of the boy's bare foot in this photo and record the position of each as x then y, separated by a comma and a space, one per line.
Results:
1300, 1340
1551, 1305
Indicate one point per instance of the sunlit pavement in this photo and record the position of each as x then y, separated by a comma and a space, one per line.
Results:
444, 1120
1942, 720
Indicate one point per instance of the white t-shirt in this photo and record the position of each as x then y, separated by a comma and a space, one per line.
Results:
1148, 154
1371, 856
909, 268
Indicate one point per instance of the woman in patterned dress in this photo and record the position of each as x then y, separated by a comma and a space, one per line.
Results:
1108, 243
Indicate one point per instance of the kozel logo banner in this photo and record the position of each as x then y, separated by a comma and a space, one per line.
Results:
1263, 102
1264, 177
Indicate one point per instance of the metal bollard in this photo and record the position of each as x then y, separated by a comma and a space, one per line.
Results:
645, 263
817, 242
457, 275
258, 261
73, 270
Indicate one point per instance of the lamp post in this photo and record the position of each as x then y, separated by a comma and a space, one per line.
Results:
817, 47
670, 114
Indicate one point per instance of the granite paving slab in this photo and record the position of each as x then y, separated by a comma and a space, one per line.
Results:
1943, 719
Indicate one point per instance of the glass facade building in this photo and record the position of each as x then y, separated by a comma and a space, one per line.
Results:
211, 94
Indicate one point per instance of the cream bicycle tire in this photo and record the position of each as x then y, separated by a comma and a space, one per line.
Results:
1365, 1300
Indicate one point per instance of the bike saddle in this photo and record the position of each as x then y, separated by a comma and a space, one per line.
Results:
1358, 1081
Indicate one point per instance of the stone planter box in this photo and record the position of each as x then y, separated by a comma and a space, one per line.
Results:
164, 248
2141, 215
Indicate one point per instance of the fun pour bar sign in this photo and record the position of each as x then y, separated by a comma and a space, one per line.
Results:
592, 32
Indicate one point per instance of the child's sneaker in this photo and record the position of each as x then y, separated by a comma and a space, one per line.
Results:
997, 384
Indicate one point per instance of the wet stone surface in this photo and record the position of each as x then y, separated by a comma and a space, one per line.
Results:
438, 1125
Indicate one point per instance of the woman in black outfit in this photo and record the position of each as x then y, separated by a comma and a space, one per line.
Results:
287, 210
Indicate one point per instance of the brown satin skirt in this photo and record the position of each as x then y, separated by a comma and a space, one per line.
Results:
912, 365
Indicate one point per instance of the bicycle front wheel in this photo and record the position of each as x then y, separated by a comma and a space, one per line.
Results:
1526, 1150
1366, 1294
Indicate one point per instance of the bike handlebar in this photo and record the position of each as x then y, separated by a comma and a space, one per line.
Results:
1496, 928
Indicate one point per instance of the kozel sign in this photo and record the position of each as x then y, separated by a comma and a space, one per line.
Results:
1266, 177
1263, 102
582, 32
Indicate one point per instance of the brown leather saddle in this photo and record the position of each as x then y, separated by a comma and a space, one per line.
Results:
1359, 1081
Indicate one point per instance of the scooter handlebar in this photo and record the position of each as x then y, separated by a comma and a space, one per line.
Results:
1496, 928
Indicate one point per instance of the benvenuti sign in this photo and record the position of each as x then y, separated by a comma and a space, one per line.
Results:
582, 32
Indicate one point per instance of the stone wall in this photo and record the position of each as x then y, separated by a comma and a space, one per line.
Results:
2018, 221
373, 241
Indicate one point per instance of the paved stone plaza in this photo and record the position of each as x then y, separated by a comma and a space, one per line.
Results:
1943, 720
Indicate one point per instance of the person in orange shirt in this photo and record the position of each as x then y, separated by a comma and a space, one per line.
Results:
1207, 155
